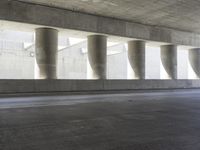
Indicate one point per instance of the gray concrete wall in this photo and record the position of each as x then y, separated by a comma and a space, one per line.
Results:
39, 86
15, 62
72, 63
117, 66
16, 67
152, 63
31, 13
183, 71
117, 63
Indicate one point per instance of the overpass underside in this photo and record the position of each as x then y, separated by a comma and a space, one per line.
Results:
48, 109
48, 22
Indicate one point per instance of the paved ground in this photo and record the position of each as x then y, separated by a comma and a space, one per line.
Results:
148, 121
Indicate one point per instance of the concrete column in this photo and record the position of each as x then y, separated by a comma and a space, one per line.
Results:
194, 59
46, 48
97, 56
136, 56
169, 60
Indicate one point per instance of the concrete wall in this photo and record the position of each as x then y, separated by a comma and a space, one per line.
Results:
39, 86
72, 62
117, 62
117, 66
16, 67
15, 62
183, 71
152, 63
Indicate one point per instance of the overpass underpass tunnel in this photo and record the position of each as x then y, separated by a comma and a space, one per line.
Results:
18, 58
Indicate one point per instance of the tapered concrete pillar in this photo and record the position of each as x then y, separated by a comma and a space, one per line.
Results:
169, 60
136, 56
194, 59
97, 56
46, 48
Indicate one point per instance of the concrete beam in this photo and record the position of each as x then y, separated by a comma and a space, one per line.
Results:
56, 17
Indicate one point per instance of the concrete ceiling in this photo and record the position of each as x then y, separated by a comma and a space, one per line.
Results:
177, 14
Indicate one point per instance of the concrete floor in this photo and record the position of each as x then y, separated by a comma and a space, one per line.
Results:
140, 121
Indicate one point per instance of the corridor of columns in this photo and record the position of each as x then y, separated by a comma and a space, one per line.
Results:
99, 75
78, 57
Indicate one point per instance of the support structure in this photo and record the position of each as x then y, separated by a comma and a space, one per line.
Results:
97, 56
194, 59
136, 56
46, 52
169, 60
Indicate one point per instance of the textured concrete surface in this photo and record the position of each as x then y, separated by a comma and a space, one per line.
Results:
43, 86
97, 56
180, 14
143, 121
50, 16
46, 50
136, 57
